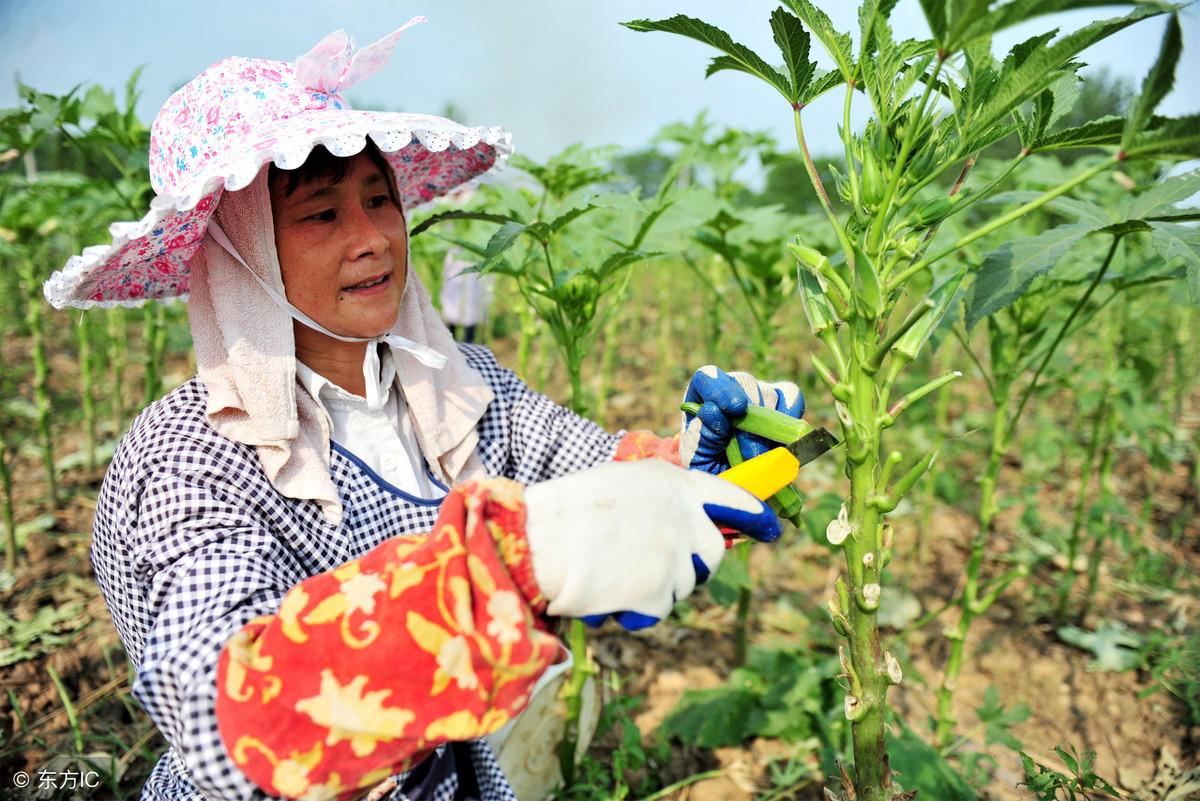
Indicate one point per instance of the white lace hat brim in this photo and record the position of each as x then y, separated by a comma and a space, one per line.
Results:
148, 258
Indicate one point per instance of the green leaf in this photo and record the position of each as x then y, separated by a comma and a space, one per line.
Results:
1114, 645
998, 720
824, 82
935, 15
712, 718
96, 102
918, 766
1162, 198
1040, 68
457, 214
1158, 82
793, 42
1169, 137
1009, 269
837, 44
731, 577
501, 241
1174, 242
566, 218
1097, 133
737, 56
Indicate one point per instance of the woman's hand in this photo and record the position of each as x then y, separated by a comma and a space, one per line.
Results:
630, 539
723, 398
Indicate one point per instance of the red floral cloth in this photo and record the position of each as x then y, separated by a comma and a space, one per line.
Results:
367, 668
644, 445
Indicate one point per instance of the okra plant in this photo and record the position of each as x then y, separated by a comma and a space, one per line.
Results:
574, 285
1030, 314
936, 104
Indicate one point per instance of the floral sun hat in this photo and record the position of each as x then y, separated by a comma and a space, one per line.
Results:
216, 133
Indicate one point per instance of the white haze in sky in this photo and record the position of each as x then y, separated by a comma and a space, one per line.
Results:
553, 72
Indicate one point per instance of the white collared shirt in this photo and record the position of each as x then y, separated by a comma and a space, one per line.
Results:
375, 429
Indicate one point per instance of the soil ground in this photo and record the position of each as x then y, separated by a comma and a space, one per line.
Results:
1013, 648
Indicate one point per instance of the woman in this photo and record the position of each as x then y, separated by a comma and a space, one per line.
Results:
312, 612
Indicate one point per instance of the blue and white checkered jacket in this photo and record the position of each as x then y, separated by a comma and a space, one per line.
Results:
191, 542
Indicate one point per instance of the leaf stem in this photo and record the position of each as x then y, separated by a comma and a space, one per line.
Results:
1002, 221
815, 177
1112, 250
966, 346
889, 417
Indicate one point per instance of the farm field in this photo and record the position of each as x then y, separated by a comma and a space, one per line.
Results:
991, 297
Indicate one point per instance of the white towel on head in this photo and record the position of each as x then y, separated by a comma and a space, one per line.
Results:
245, 355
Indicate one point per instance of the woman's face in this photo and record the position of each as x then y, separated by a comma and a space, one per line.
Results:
343, 249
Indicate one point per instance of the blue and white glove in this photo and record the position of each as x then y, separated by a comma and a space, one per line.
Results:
723, 398
629, 539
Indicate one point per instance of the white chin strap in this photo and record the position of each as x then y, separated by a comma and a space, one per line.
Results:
422, 353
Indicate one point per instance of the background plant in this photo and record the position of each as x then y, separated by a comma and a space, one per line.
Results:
856, 302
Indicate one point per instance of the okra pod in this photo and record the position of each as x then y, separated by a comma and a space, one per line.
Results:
910, 344
766, 423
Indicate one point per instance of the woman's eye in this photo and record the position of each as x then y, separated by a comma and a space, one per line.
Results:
322, 216
378, 201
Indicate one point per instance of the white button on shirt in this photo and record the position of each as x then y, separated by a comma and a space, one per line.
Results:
375, 429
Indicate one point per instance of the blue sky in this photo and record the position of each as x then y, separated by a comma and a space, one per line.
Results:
553, 72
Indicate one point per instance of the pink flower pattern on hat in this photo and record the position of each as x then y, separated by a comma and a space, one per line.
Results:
217, 132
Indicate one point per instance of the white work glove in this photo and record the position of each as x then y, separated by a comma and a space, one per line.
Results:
630, 539
723, 398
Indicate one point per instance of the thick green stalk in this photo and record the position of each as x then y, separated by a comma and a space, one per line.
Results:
154, 332
1106, 492
608, 360
969, 602
35, 322
6, 508
1114, 358
745, 599
118, 346
867, 701
83, 334
941, 418
583, 667
1086, 472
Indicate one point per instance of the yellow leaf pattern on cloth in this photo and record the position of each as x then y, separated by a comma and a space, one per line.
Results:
291, 774
351, 714
289, 612
454, 659
464, 725
367, 668
508, 616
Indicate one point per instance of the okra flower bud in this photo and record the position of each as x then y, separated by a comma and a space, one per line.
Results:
873, 186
